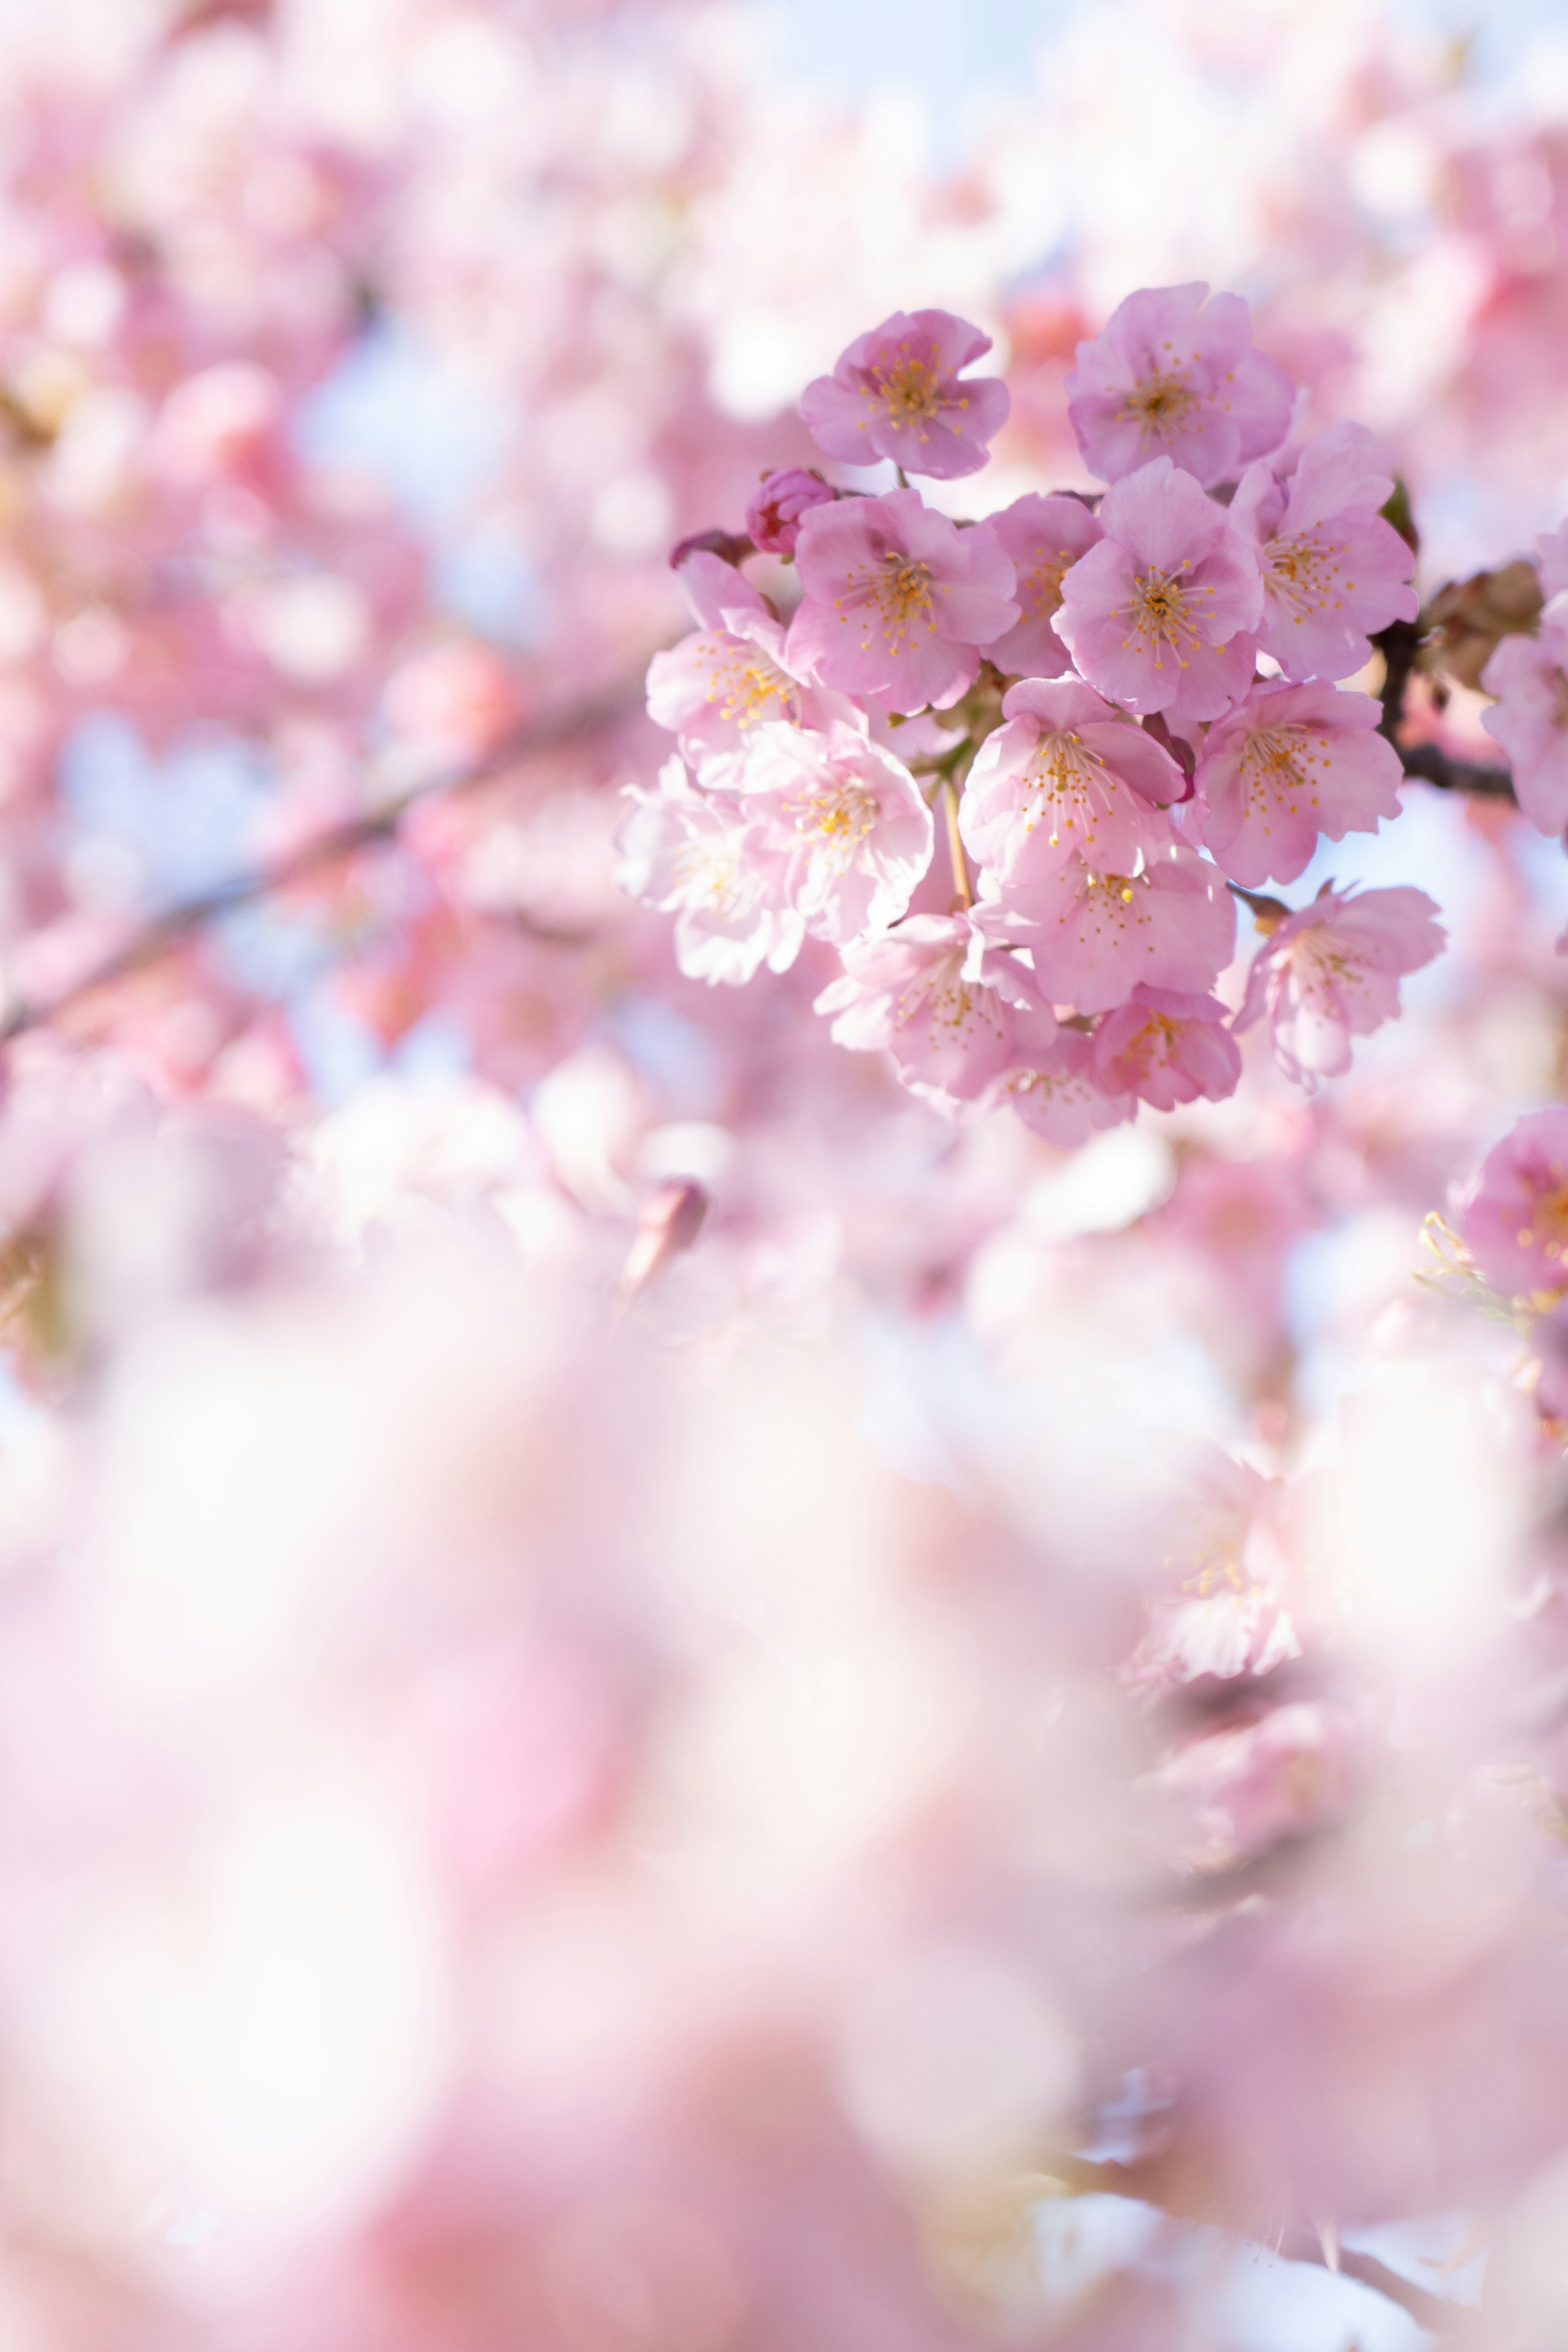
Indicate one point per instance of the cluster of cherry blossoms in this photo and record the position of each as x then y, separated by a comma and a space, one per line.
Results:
1114, 710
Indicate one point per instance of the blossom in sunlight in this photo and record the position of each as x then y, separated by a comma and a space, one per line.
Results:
849, 821
899, 603
774, 517
1513, 1215
1045, 537
1158, 613
1171, 374
1166, 1048
1066, 772
1335, 571
1289, 765
1331, 973
1529, 678
716, 685
945, 995
1095, 934
702, 856
898, 393
1058, 1093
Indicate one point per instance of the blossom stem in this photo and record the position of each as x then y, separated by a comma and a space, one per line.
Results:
961, 881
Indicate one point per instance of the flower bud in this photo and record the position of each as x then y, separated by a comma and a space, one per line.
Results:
668, 1225
773, 516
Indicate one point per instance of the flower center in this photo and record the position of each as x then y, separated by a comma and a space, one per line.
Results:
750, 689
1160, 615
841, 818
707, 868
1157, 404
1548, 1223
1068, 781
908, 389
1276, 763
1304, 574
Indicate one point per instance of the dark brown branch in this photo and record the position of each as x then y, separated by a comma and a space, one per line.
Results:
167, 931
1399, 644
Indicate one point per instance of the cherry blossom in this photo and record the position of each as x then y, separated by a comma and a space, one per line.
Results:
1166, 1048
1058, 1094
896, 392
1513, 1216
700, 855
1045, 537
1171, 374
1291, 765
849, 818
1157, 614
1331, 973
946, 996
1094, 935
713, 687
1066, 772
899, 603
1529, 678
1334, 571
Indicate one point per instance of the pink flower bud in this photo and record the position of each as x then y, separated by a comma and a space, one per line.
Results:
669, 1223
773, 516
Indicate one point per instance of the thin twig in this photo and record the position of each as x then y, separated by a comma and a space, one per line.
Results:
167, 932
955, 842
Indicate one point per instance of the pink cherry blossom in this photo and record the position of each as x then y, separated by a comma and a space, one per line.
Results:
898, 601
1066, 772
772, 518
1529, 678
1045, 537
1290, 763
1095, 934
1334, 570
1170, 374
896, 392
1167, 1048
1513, 1216
849, 820
698, 855
1158, 613
947, 998
713, 687
1331, 973
1059, 1096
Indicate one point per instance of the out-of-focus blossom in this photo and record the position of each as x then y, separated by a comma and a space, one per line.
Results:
1066, 772
944, 995
704, 857
1331, 973
1529, 678
1166, 1048
1287, 765
848, 817
1171, 374
1045, 537
1157, 613
898, 601
772, 518
1513, 1216
1334, 570
898, 393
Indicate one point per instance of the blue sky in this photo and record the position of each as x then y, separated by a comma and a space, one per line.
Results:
948, 49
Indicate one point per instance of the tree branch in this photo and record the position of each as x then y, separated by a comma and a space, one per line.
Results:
1399, 644
167, 931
